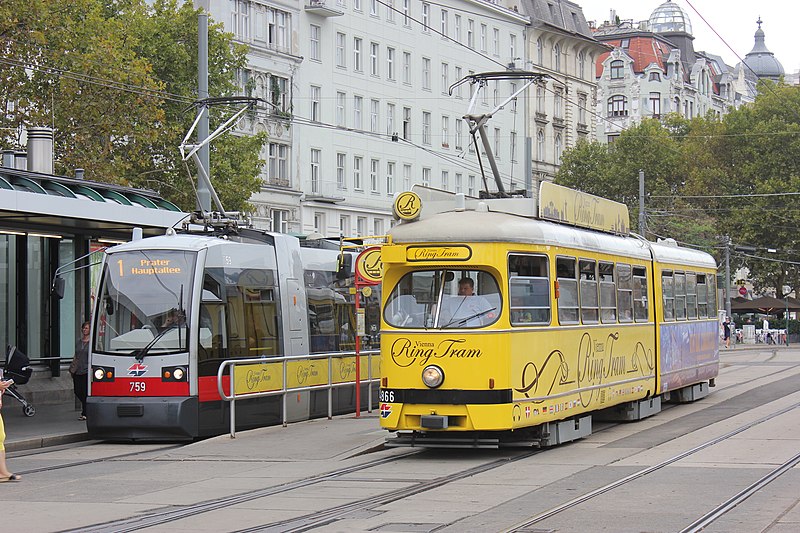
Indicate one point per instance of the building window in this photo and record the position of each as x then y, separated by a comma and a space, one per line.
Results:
471, 185
344, 225
406, 177
459, 183
496, 42
406, 123
374, 115
617, 70
357, 162
581, 66
457, 28
278, 166
539, 99
377, 226
513, 142
341, 163
445, 22
457, 93
358, 109
426, 128
406, 12
558, 104
240, 19
655, 76
655, 104
540, 146
373, 8
340, 60
373, 59
390, 63
471, 33
390, 178
315, 158
390, 119
314, 48
497, 143
459, 134
618, 106
426, 73
513, 46
557, 58
426, 177
539, 51
445, 132
358, 45
316, 95
426, 17
483, 38
361, 226
319, 223
445, 77
558, 148
374, 169
407, 68
445, 180
280, 220
279, 92
340, 108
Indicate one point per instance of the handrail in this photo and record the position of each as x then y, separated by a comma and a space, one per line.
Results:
228, 366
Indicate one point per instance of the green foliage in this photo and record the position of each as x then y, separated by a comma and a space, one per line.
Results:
115, 80
698, 174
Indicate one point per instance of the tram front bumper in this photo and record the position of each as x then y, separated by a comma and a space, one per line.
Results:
150, 418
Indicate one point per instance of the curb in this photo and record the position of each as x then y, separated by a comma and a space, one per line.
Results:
44, 442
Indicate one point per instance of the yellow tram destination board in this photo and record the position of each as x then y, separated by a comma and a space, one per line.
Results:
577, 208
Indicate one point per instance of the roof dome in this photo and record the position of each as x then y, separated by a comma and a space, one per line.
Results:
761, 61
670, 17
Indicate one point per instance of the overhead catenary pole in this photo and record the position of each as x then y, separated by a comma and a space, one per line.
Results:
203, 193
727, 276
642, 220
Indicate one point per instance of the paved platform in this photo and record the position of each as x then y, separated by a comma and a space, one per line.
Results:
52, 425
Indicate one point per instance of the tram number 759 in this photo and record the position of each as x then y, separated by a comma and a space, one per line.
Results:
138, 386
387, 396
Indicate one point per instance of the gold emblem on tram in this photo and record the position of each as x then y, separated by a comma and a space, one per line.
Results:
407, 206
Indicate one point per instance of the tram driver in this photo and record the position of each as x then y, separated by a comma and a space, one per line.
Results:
467, 309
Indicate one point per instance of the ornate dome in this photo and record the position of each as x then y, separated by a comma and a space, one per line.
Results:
670, 17
761, 61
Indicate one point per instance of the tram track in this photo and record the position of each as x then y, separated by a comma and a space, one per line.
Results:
573, 503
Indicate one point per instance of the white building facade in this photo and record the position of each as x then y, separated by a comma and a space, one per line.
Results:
361, 104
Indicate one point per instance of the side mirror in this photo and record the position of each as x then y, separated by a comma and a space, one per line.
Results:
345, 266
59, 285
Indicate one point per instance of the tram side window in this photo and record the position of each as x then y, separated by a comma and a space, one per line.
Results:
589, 300
702, 296
213, 341
668, 290
640, 294
691, 295
567, 290
608, 292
711, 286
625, 293
253, 327
529, 288
680, 295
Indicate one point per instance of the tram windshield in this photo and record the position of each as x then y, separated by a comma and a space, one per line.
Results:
145, 302
444, 299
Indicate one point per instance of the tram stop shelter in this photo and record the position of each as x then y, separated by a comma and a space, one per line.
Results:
767, 305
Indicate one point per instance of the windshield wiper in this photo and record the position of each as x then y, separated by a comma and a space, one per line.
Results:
141, 352
467, 319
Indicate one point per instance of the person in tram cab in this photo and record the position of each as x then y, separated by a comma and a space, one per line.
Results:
173, 318
468, 309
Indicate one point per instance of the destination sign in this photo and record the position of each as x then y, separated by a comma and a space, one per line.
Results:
438, 253
149, 267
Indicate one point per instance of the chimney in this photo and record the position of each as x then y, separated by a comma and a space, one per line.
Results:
78, 173
21, 160
40, 150
8, 158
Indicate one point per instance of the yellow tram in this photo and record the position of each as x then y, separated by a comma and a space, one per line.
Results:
504, 326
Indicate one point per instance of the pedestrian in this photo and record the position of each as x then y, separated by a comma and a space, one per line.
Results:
726, 331
79, 368
5, 475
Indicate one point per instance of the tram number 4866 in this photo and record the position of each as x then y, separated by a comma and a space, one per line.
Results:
138, 386
387, 396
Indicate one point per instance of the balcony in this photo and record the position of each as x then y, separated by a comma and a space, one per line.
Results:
322, 8
277, 182
540, 117
324, 191
558, 122
582, 128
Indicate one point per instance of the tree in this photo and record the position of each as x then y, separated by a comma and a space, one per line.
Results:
116, 79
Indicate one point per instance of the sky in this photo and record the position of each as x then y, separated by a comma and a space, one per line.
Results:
733, 20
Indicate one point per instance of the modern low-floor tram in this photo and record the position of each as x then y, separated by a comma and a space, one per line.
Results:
171, 309
564, 323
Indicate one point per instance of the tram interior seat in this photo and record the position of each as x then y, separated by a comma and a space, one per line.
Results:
407, 312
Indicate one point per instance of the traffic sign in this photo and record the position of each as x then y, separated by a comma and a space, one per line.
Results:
743, 291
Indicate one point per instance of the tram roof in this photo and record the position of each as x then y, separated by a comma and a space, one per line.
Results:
488, 226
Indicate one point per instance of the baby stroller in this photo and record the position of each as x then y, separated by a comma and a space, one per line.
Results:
18, 368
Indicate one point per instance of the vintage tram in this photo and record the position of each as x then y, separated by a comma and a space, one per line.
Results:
171, 309
507, 326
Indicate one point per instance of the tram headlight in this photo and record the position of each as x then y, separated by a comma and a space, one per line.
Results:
173, 373
99, 374
178, 374
432, 376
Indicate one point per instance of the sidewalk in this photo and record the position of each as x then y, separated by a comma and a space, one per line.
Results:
52, 425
